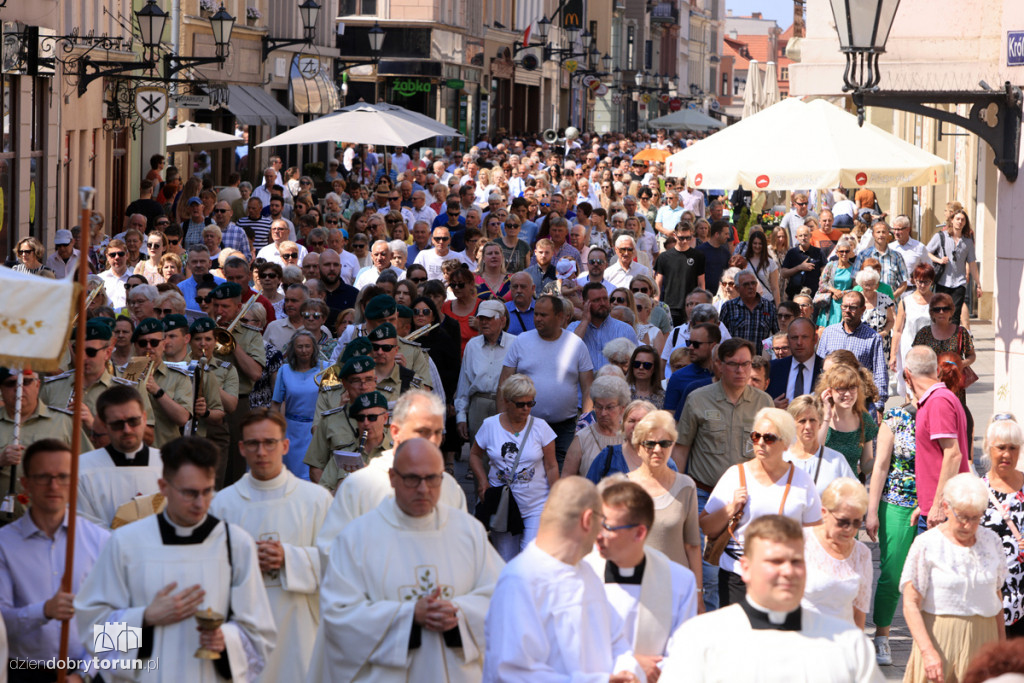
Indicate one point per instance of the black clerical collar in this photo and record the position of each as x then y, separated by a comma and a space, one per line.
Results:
170, 537
759, 619
120, 459
612, 575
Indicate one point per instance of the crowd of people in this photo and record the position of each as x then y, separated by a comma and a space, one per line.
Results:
675, 426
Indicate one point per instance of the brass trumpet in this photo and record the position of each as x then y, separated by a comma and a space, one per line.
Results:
328, 377
88, 301
416, 334
224, 336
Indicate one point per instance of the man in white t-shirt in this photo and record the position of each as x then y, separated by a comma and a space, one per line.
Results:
431, 259
400, 160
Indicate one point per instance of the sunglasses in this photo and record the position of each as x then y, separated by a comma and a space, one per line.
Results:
696, 344
370, 417
844, 523
316, 244
92, 353
13, 383
665, 444
642, 364
26, 252
524, 404
942, 309
393, 221
625, 250
312, 315
331, 221
267, 276
417, 280
204, 299
800, 203
119, 425
149, 343
641, 290
596, 262
110, 254
728, 283
422, 311
170, 241
617, 300
459, 285
221, 210
442, 240
384, 348
290, 256
768, 438
154, 245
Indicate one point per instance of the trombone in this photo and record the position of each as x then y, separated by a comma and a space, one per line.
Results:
416, 334
224, 336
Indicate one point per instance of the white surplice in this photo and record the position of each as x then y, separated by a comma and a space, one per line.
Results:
722, 646
653, 610
291, 511
363, 490
139, 560
550, 622
380, 565
105, 484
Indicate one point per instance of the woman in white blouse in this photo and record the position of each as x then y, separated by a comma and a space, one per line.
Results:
808, 453
952, 586
839, 572
766, 485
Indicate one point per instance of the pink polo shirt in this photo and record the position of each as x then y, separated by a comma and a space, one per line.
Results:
940, 415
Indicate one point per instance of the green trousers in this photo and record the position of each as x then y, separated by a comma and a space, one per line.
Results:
895, 534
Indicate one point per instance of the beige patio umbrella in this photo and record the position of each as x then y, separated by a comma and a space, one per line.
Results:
770, 91
837, 152
752, 91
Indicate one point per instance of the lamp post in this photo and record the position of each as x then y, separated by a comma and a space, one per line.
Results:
375, 36
308, 11
863, 27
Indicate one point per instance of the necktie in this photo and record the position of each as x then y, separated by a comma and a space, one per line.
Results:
798, 387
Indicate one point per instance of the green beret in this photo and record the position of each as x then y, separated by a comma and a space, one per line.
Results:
382, 332
404, 312
175, 321
373, 399
380, 306
360, 346
147, 326
97, 330
356, 365
227, 290
201, 325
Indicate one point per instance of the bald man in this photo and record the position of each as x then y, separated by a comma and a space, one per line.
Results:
419, 615
525, 637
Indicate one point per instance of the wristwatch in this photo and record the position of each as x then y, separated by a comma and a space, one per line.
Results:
159, 394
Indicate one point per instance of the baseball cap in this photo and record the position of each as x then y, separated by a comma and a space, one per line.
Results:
490, 309
63, 237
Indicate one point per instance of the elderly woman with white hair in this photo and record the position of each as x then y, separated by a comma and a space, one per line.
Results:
765, 485
726, 287
952, 586
610, 396
880, 311
520, 450
1005, 513
141, 302
839, 571
399, 253
618, 352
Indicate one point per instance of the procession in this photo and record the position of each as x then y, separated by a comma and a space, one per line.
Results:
539, 396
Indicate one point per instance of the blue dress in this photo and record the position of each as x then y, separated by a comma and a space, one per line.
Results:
298, 392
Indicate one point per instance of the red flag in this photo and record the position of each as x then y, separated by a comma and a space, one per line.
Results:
526, 34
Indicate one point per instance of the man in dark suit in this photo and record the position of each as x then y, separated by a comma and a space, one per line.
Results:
796, 375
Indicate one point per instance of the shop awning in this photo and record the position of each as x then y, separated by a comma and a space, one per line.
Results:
312, 94
254, 106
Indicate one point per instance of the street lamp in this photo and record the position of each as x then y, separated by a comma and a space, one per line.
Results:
863, 29
606, 62
376, 38
152, 20
222, 24
639, 79
308, 11
585, 39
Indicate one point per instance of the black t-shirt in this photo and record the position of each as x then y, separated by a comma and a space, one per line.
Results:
148, 208
803, 278
715, 261
679, 271
338, 300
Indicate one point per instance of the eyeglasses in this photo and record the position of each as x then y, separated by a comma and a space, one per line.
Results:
625, 250
267, 276
413, 481
119, 425
617, 300
149, 343
664, 444
621, 527
845, 523
370, 417
733, 365
800, 203
728, 283
523, 404
173, 241
193, 494
441, 240
253, 445
422, 311
204, 299
856, 307
62, 479
640, 290
91, 352
110, 254
596, 262
642, 365
332, 221
696, 344
393, 221
315, 244
13, 383
312, 315
394, 199
417, 280
162, 224
164, 311
965, 519
384, 348
941, 309
290, 256
768, 438
459, 285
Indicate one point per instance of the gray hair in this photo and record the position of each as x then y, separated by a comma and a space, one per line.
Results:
518, 386
619, 216
868, 276
847, 241
398, 247
624, 314
149, 292
618, 350
901, 221
333, 197
702, 292
409, 399
245, 185
606, 388
610, 370
966, 493
291, 275
197, 248
703, 313
921, 361
289, 348
1002, 431
620, 239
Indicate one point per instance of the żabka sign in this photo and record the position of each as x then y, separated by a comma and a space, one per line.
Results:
1015, 48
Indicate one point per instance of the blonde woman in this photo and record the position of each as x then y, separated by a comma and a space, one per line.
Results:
846, 424
170, 265
31, 255
808, 453
492, 282
156, 245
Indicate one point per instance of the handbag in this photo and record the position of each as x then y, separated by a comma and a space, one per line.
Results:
1006, 518
940, 268
715, 547
970, 376
498, 510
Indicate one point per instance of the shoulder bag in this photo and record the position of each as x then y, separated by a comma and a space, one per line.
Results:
498, 510
970, 376
1009, 522
940, 268
714, 547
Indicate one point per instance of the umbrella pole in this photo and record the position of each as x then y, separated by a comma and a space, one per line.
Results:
86, 195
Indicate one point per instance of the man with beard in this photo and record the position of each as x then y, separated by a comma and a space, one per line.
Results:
596, 328
339, 295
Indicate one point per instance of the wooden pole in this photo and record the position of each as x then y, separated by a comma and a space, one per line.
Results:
86, 195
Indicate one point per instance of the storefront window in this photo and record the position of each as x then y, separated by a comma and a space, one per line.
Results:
7, 99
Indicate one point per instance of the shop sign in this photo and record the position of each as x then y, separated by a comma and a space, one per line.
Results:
407, 87
455, 83
1015, 48
151, 103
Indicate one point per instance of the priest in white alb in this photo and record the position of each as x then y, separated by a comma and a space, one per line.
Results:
652, 595
155, 574
126, 468
417, 414
549, 619
767, 636
407, 585
283, 513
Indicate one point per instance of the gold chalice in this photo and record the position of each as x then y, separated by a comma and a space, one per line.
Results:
208, 621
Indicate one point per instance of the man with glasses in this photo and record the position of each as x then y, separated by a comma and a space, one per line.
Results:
336, 449
679, 271
528, 229
455, 220
714, 431
193, 227
441, 582
856, 336
284, 514
749, 316
912, 251
443, 250
64, 258
32, 559
355, 370
209, 410
232, 236
38, 421
597, 262
894, 267
669, 215
702, 340
803, 264
116, 274
621, 272
199, 267
276, 208
236, 270
393, 378
169, 388
419, 211
158, 572
796, 216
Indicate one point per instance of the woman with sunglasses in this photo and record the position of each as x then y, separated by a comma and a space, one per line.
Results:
492, 282
514, 251
944, 335
314, 314
643, 374
765, 485
30, 258
839, 571
660, 314
463, 307
295, 394
156, 245
836, 279
676, 531
646, 332
727, 289
520, 449
269, 276
621, 296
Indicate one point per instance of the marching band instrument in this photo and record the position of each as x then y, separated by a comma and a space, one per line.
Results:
362, 443
88, 301
7, 506
327, 378
199, 369
139, 370
416, 334
224, 336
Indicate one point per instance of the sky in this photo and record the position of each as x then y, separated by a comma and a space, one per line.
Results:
779, 10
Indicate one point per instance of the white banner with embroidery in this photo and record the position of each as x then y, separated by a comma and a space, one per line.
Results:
35, 320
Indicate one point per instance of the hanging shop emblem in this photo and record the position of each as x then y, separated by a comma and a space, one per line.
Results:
151, 103
407, 87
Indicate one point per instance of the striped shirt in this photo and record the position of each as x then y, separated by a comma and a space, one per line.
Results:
260, 228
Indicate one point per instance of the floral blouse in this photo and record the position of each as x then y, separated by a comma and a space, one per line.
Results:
900, 485
1013, 587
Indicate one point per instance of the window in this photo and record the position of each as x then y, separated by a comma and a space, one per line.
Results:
366, 7
7, 160
784, 74
630, 48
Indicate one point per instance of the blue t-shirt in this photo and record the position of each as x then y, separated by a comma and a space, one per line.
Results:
715, 262
679, 384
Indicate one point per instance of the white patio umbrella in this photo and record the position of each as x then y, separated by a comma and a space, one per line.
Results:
686, 119
835, 152
752, 91
367, 124
770, 91
191, 137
